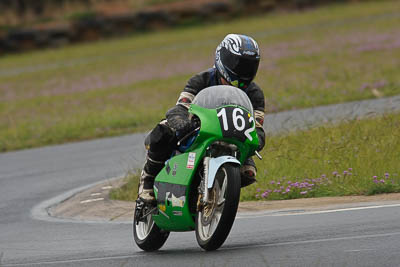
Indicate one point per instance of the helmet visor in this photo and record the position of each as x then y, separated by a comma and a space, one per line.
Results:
244, 67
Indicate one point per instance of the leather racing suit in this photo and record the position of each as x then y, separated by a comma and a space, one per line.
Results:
162, 139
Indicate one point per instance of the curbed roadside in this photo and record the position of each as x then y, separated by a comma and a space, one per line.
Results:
94, 205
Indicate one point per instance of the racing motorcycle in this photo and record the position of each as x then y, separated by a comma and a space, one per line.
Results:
199, 187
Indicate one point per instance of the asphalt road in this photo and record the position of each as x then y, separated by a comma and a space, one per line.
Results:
366, 237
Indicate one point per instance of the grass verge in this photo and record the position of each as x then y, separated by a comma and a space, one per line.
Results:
128, 191
359, 157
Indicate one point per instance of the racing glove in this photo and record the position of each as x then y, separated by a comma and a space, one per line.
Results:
178, 119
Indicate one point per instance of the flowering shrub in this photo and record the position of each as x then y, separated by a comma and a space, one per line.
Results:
385, 184
323, 185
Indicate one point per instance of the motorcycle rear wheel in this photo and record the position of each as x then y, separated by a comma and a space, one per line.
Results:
147, 235
214, 221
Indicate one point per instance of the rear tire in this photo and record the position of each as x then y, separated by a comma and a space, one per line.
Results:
147, 235
214, 221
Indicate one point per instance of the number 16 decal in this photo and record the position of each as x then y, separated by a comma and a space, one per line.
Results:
248, 131
222, 113
234, 123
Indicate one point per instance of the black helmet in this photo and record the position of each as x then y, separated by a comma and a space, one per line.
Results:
237, 58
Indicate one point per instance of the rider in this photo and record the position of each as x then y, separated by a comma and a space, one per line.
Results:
236, 63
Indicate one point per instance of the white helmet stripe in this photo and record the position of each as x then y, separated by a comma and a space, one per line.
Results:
232, 42
255, 45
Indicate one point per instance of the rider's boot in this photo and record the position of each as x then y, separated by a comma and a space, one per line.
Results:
150, 170
248, 172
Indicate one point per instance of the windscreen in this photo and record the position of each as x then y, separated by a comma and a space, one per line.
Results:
221, 95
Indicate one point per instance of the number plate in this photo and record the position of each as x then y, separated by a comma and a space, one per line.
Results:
236, 122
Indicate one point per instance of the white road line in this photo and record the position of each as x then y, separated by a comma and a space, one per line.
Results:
95, 194
297, 213
106, 187
140, 254
360, 250
313, 241
91, 200
40, 263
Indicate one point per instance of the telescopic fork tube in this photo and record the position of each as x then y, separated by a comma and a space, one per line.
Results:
205, 184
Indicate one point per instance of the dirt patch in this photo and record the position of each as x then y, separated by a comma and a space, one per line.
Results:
95, 205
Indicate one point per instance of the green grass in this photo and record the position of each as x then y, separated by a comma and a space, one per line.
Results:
328, 55
128, 191
340, 160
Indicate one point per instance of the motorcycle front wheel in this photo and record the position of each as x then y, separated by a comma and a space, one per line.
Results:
215, 219
147, 235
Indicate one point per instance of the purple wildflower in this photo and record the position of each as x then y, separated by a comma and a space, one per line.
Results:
364, 86
350, 169
334, 173
345, 173
323, 176
382, 181
272, 182
303, 192
387, 175
288, 190
380, 84
258, 189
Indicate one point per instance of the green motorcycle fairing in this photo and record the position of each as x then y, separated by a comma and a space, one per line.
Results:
173, 184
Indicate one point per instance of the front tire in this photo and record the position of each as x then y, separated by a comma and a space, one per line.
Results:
147, 235
214, 220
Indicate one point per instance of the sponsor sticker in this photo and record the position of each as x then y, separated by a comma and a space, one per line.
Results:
177, 202
177, 213
174, 169
191, 159
162, 207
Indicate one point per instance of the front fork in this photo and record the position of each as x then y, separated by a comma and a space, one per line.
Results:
204, 184
202, 189
211, 166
